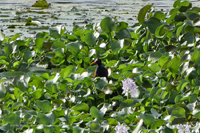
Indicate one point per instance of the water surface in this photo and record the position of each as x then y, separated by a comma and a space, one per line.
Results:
14, 14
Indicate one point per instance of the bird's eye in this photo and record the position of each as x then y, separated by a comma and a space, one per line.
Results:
96, 60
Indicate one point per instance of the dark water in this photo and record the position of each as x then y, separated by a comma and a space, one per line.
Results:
70, 12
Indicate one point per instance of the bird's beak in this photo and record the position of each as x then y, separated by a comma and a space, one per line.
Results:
93, 62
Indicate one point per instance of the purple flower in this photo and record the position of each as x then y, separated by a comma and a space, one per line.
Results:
184, 128
121, 128
129, 86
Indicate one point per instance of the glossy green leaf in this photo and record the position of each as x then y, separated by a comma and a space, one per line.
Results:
161, 31
142, 13
39, 42
11, 74
45, 119
81, 107
96, 113
37, 94
12, 118
44, 105
65, 72
17, 105
58, 45
154, 67
74, 47
28, 55
174, 64
127, 103
197, 115
182, 84
123, 33
152, 24
117, 45
179, 112
95, 127
2, 90
8, 49
148, 119
54, 33
101, 83
90, 39
107, 24
171, 48
60, 52
154, 56
196, 56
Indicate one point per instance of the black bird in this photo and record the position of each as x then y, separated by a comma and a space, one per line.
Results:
100, 71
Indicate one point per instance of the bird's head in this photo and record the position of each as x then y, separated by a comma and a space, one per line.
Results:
97, 61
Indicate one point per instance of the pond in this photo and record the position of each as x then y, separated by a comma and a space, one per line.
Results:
14, 15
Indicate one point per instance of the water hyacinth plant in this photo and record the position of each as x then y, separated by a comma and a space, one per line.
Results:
121, 128
47, 84
184, 128
129, 87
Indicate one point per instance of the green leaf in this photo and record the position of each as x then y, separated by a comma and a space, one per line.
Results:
154, 56
197, 115
142, 13
107, 25
174, 64
54, 33
74, 47
28, 54
90, 39
109, 88
58, 45
159, 15
182, 84
123, 33
65, 72
81, 107
154, 112
180, 28
7, 127
11, 74
153, 23
8, 49
189, 37
17, 105
60, 52
196, 56
153, 92
148, 119
193, 98
154, 67
180, 18
101, 83
117, 45
39, 42
121, 25
127, 103
171, 48
46, 119
44, 105
59, 113
96, 113
2, 90
12, 118
77, 129
37, 94
163, 59
161, 31
95, 127
179, 112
